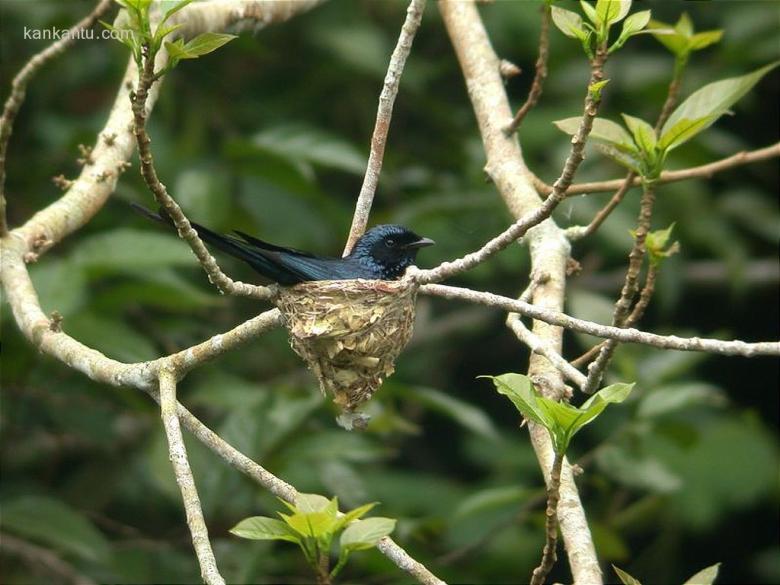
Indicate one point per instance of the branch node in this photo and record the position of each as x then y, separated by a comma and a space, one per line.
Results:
61, 182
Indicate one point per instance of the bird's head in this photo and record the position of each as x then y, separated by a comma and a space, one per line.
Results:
393, 247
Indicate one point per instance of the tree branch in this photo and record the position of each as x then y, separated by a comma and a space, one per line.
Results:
549, 248
699, 172
537, 345
382, 125
628, 335
550, 523
19, 88
181, 469
225, 284
538, 213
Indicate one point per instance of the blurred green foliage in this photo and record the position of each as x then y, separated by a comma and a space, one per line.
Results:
269, 135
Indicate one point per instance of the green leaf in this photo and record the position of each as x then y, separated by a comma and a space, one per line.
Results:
568, 22
603, 130
684, 25
363, 534
356, 513
705, 39
671, 39
171, 11
518, 389
306, 503
612, 11
625, 578
635, 22
596, 404
313, 524
165, 29
656, 245
176, 51
207, 42
633, 25
590, 12
682, 131
705, 576
594, 89
644, 135
263, 528
55, 524
629, 160
706, 105
656, 240
565, 420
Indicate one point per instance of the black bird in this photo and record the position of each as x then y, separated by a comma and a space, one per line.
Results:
383, 253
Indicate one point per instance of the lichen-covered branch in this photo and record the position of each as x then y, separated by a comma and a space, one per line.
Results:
384, 114
181, 470
549, 248
19, 88
705, 171
627, 335
537, 345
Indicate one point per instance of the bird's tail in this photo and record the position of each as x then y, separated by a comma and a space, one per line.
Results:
227, 244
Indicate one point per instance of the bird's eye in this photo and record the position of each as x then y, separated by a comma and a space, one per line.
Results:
390, 242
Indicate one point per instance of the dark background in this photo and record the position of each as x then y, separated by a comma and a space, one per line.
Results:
270, 135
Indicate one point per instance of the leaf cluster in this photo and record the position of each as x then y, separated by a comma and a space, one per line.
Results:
313, 524
636, 145
133, 28
595, 31
561, 419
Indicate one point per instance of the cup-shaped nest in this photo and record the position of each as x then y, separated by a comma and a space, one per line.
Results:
349, 332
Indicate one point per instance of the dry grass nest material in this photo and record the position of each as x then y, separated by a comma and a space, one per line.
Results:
349, 333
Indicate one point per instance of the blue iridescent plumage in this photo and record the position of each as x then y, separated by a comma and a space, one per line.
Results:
383, 253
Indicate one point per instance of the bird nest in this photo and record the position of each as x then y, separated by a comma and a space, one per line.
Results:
349, 333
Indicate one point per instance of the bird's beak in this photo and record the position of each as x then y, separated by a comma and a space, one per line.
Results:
421, 243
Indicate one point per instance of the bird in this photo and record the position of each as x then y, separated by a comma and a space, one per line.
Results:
384, 252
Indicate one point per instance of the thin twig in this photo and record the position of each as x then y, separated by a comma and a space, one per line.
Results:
537, 345
550, 524
19, 88
216, 276
539, 76
578, 232
382, 125
636, 314
181, 469
628, 293
539, 214
699, 172
627, 335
